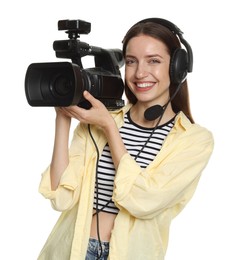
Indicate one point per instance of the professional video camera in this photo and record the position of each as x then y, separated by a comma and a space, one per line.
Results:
61, 84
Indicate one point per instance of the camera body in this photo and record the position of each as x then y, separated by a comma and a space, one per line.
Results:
61, 84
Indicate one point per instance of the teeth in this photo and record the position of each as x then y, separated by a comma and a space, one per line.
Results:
144, 85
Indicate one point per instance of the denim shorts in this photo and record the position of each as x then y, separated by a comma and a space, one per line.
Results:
94, 251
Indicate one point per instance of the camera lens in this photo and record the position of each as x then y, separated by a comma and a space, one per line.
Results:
61, 86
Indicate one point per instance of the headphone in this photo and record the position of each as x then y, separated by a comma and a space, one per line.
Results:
181, 60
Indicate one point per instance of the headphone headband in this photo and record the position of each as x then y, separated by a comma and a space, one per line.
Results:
163, 22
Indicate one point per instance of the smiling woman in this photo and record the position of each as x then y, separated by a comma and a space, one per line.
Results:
126, 177
27, 133
180, 63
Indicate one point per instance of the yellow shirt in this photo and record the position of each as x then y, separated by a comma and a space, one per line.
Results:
148, 199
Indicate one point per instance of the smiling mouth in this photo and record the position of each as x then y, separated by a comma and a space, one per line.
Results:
144, 86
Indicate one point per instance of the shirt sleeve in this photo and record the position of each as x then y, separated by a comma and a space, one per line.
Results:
167, 183
68, 191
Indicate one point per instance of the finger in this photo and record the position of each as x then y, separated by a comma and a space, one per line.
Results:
76, 112
90, 98
67, 111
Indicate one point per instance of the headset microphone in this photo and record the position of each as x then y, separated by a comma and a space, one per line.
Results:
153, 112
157, 111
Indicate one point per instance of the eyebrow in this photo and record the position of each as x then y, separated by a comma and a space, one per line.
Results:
147, 56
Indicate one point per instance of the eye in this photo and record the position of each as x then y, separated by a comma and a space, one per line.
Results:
130, 61
154, 61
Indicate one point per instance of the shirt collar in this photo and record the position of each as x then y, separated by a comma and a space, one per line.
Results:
181, 121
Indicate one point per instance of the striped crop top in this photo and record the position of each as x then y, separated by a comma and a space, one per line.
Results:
134, 138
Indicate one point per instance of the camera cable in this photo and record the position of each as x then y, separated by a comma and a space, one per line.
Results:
100, 252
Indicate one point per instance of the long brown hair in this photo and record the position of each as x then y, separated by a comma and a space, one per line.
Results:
181, 101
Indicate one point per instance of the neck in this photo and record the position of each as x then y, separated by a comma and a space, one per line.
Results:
137, 115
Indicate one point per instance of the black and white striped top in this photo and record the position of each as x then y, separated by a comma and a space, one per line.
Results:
134, 138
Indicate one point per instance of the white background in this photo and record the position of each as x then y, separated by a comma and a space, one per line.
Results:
205, 229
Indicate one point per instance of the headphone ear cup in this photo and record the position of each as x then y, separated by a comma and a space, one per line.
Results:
178, 66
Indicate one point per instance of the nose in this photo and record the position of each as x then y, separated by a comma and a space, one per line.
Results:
141, 71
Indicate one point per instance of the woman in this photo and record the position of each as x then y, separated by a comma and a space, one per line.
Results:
129, 172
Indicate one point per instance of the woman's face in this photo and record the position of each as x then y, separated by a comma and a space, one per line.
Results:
147, 70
